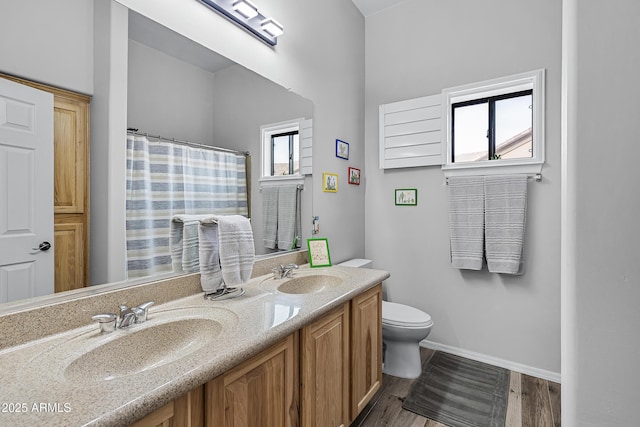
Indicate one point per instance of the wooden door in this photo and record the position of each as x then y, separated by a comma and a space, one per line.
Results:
186, 411
262, 391
71, 182
324, 373
26, 193
70, 199
366, 348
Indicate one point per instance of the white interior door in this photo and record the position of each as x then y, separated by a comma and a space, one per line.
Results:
26, 192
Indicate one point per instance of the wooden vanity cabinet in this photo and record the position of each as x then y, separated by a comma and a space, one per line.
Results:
341, 361
322, 375
324, 370
366, 348
186, 411
262, 391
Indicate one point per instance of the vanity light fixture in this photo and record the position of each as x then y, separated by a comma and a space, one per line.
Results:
247, 15
272, 27
245, 8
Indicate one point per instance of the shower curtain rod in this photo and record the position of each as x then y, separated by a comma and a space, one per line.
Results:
132, 131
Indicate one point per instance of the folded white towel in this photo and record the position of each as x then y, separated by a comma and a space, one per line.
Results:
237, 250
287, 216
183, 241
466, 222
270, 216
210, 273
505, 217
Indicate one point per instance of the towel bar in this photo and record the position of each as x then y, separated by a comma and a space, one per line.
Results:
537, 177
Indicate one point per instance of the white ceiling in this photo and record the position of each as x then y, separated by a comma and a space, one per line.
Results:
370, 7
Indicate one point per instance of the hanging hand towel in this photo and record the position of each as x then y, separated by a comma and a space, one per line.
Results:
287, 216
505, 215
466, 222
269, 216
237, 250
210, 273
184, 242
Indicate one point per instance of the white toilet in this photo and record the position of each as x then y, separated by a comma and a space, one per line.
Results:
403, 327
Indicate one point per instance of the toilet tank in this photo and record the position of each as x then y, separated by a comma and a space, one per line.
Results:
357, 262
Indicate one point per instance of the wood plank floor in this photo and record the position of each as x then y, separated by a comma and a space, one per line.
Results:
533, 402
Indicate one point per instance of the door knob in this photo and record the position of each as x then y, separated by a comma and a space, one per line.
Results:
42, 247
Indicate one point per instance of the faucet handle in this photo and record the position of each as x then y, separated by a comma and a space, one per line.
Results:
143, 311
107, 322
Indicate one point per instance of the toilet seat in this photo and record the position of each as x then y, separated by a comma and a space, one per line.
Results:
394, 314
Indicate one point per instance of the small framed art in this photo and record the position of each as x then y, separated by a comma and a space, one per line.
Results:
406, 197
354, 176
342, 149
319, 255
330, 182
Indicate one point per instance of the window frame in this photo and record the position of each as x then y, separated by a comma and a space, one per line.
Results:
498, 88
266, 134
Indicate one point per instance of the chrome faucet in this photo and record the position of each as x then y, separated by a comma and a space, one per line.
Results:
128, 316
283, 271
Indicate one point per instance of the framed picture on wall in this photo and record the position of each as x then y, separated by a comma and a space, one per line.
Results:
342, 149
330, 182
354, 176
319, 255
406, 196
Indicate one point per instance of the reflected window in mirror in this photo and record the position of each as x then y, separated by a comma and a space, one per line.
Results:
285, 154
281, 149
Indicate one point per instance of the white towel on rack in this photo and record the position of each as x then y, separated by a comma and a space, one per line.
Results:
287, 216
505, 217
237, 250
466, 222
209, 255
183, 241
269, 216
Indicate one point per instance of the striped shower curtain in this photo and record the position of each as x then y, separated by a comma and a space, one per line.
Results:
165, 179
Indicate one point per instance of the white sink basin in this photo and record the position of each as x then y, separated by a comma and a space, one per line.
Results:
143, 349
309, 284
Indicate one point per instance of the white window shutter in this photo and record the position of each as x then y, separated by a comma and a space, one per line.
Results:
306, 143
411, 133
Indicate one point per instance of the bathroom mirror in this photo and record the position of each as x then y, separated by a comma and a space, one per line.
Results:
156, 53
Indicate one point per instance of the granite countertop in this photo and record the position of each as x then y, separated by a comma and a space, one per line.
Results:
58, 381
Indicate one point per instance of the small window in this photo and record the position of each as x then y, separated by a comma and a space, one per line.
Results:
285, 156
495, 124
281, 150
493, 128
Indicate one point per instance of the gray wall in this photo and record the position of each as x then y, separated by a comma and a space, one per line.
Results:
600, 313
418, 48
48, 42
169, 97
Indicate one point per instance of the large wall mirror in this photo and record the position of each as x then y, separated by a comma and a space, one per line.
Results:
180, 89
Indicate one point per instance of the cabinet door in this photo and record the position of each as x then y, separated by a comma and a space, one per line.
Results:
186, 411
324, 374
69, 255
71, 145
263, 391
366, 348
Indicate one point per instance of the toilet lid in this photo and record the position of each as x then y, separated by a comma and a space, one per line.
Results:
403, 315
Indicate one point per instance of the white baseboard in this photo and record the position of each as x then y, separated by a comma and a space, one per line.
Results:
507, 364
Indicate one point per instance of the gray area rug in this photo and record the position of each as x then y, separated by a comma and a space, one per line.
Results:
460, 392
